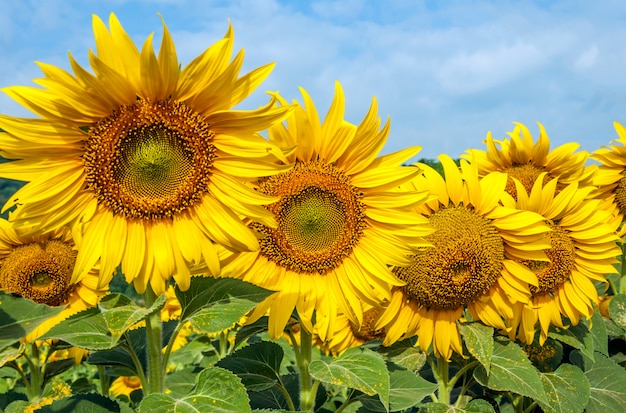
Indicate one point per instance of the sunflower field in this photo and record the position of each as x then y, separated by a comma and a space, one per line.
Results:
161, 251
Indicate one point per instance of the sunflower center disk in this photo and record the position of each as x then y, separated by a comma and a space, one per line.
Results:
367, 331
320, 218
465, 261
150, 160
40, 272
562, 257
527, 175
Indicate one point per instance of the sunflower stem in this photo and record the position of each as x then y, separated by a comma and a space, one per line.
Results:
36, 373
104, 381
443, 393
307, 401
154, 336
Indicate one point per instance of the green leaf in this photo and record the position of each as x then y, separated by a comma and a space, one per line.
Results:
19, 316
577, 336
217, 390
10, 353
599, 333
181, 382
90, 402
567, 390
511, 371
406, 390
258, 365
478, 339
221, 316
86, 329
120, 312
405, 354
608, 386
617, 309
356, 368
479, 406
207, 291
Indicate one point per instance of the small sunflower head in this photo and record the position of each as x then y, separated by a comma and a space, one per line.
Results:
39, 271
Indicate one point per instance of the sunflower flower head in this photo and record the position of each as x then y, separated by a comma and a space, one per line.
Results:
583, 250
341, 220
471, 263
39, 267
523, 159
147, 160
611, 176
346, 334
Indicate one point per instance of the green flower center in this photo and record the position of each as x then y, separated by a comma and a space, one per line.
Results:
313, 219
320, 218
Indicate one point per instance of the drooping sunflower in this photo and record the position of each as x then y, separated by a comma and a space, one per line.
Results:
521, 158
345, 334
125, 385
471, 263
39, 267
149, 161
611, 175
341, 221
582, 251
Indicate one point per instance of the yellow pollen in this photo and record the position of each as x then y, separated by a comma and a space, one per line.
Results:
562, 257
527, 174
40, 272
463, 264
150, 159
320, 218
367, 332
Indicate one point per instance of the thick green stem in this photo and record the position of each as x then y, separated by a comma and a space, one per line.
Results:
104, 380
36, 373
442, 380
303, 359
154, 335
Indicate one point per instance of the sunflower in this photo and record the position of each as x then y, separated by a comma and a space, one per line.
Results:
341, 221
147, 160
39, 267
611, 176
346, 334
471, 263
583, 249
125, 385
525, 160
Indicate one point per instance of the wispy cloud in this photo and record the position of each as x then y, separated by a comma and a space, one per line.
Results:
445, 72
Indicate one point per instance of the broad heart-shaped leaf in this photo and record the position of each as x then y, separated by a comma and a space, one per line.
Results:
89, 402
221, 316
567, 390
478, 339
405, 354
86, 329
617, 309
577, 336
257, 365
100, 328
19, 316
356, 368
207, 291
599, 333
406, 390
217, 391
511, 371
608, 385
120, 312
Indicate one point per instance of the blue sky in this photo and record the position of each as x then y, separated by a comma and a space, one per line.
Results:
446, 72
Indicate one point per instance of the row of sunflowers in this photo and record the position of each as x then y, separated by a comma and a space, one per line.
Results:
283, 262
